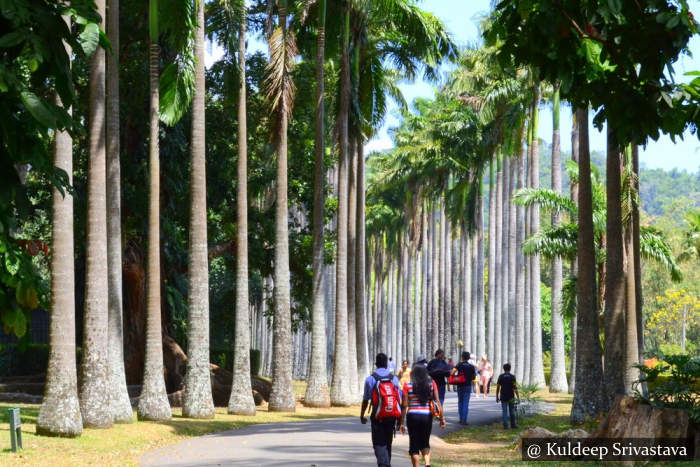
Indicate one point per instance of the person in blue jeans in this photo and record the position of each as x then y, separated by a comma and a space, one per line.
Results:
439, 370
464, 390
506, 391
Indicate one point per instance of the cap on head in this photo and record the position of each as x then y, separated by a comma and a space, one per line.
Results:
421, 358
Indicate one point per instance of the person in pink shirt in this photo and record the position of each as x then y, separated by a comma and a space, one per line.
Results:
485, 375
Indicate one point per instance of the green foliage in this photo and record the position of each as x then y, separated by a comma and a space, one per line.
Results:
679, 390
599, 51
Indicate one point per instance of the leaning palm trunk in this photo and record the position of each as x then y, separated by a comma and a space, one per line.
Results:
588, 397
59, 414
282, 394
119, 403
153, 403
536, 364
317, 388
241, 401
94, 387
558, 377
340, 388
197, 401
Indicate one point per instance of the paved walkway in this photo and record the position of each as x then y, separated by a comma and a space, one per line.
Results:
324, 442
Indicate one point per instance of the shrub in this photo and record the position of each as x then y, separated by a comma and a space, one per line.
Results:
677, 390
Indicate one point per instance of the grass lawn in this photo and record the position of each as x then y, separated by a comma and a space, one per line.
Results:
123, 444
492, 445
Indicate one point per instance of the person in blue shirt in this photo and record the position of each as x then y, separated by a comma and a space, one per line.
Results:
382, 430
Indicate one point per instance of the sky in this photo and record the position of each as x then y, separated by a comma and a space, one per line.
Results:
461, 18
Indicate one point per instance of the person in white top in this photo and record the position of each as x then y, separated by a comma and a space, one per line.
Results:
485, 375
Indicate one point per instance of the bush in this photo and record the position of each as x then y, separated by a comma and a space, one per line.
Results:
679, 389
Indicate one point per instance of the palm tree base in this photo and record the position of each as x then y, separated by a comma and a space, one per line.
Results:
60, 416
241, 404
154, 409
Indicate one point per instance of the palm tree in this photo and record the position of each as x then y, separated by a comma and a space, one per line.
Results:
588, 399
494, 321
614, 316
59, 414
241, 401
558, 376
198, 401
120, 403
94, 398
360, 255
352, 245
340, 388
280, 88
317, 387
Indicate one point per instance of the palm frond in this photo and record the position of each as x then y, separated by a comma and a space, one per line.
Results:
278, 84
654, 247
554, 241
546, 199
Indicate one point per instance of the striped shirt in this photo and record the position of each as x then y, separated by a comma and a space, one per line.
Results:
414, 404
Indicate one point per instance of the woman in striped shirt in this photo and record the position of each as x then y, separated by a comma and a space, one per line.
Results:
416, 413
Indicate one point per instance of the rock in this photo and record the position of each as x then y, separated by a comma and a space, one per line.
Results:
630, 419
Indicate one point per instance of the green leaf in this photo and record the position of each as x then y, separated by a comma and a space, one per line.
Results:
615, 6
13, 38
673, 22
20, 327
38, 108
12, 264
89, 39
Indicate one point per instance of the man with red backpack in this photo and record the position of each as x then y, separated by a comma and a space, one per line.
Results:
383, 392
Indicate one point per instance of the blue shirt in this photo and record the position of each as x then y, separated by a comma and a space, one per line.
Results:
371, 382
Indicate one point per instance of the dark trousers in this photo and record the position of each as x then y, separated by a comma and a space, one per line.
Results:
441, 393
508, 409
382, 436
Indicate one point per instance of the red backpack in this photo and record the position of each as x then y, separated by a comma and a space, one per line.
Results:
385, 398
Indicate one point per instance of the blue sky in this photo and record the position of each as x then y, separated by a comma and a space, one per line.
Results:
461, 18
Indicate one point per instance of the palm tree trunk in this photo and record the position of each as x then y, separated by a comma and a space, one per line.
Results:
500, 221
637, 260
59, 414
425, 268
467, 294
557, 381
614, 316
493, 320
360, 280
574, 265
340, 388
119, 403
509, 318
352, 246
588, 397
153, 403
454, 301
94, 388
317, 388
631, 341
536, 365
241, 401
197, 401
442, 237
435, 294
447, 310
521, 301
481, 310
474, 293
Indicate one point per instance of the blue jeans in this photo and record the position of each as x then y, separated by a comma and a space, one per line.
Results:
508, 409
441, 394
464, 393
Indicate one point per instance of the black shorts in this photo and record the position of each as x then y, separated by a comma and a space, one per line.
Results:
419, 428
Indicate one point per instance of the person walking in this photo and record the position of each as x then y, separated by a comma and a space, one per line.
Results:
468, 372
506, 391
392, 366
451, 364
404, 373
439, 370
383, 392
416, 413
421, 360
485, 375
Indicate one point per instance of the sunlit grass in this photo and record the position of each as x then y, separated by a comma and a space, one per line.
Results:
124, 444
493, 445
